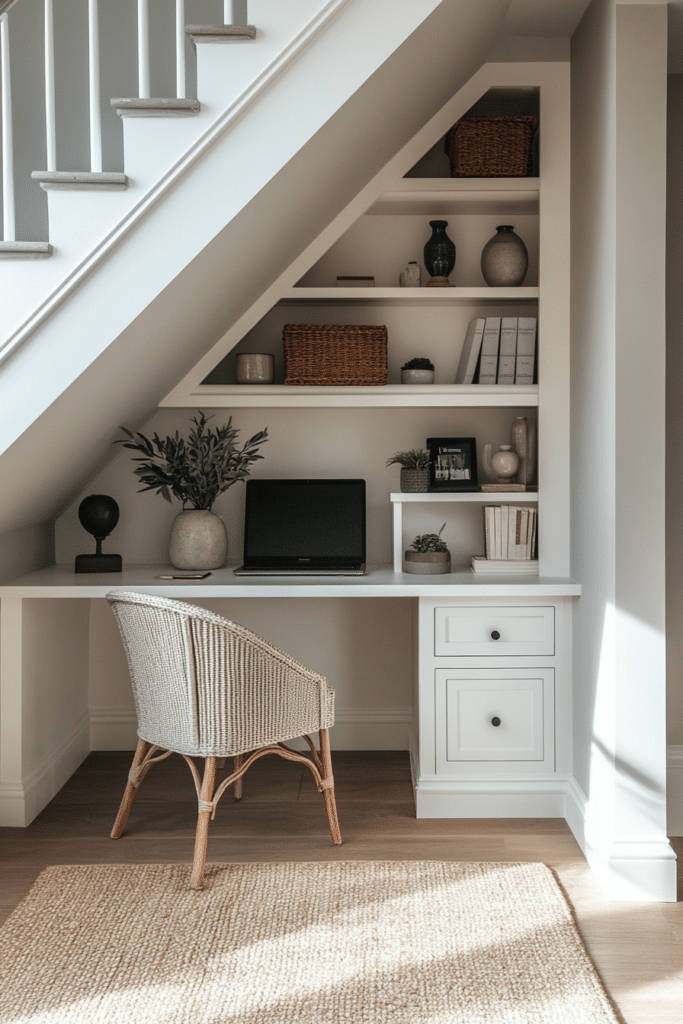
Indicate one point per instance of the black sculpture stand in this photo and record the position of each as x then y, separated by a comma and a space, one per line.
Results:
98, 562
98, 514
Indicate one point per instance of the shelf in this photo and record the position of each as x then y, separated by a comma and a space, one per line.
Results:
406, 296
504, 196
287, 396
519, 497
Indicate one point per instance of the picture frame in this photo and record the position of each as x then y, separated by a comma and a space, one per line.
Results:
452, 464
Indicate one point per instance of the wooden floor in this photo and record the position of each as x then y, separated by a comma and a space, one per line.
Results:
637, 948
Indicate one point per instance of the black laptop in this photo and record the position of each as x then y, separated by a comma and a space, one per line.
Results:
304, 528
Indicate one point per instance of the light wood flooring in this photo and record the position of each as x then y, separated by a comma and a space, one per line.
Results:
637, 948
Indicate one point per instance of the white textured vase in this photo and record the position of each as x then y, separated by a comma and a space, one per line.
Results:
198, 540
504, 259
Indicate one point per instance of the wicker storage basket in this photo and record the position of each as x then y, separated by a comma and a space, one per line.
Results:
335, 354
491, 147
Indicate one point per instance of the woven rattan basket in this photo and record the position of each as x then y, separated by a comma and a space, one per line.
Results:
491, 147
351, 354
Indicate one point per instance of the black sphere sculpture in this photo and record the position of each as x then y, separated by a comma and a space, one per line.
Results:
98, 514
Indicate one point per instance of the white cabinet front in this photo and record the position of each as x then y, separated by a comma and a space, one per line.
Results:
494, 715
492, 632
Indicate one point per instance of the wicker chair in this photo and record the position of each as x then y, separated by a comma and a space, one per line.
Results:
206, 687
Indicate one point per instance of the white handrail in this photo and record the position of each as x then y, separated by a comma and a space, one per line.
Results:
94, 83
8, 217
50, 116
181, 88
143, 50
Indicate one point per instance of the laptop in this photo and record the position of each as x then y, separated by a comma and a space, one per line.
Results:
304, 528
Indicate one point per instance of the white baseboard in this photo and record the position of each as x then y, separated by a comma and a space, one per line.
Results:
537, 797
21, 801
639, 868
353, 730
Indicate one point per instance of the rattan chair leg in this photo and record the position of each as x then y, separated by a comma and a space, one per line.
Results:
203, 819
237, 762
129, 793
328, 793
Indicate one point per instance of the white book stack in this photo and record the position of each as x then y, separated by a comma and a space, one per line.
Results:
510, 536
498, 350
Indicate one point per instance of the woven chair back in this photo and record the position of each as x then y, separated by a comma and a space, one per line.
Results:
205, 686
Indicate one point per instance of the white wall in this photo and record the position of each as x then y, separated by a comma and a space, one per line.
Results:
25, 550
674, 457
363, 647
618, 194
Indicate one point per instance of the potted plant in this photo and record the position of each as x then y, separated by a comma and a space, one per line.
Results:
428, 554
414, 469
417, 371
196, 471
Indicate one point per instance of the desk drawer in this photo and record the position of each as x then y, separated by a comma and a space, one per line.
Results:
494, 715
491, 632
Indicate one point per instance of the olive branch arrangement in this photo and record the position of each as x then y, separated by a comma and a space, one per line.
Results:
196, 470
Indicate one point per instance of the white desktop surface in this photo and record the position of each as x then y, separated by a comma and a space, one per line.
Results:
59, 581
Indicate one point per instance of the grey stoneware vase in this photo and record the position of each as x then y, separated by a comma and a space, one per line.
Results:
504, 259
439, 254
198, 540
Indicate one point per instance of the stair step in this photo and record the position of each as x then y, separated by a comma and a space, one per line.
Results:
25, 250
219, 33
136, 107
104, 181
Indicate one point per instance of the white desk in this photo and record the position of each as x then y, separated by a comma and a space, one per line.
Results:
44, 634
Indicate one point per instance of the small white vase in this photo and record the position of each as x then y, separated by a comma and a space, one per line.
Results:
198, 540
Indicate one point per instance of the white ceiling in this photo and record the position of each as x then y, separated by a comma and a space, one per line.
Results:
559, 18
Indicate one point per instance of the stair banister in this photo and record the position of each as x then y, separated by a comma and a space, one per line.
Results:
144, 87
8, 218
94, 85
50, 114
181, 87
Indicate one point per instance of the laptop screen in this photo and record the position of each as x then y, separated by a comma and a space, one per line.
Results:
304, 522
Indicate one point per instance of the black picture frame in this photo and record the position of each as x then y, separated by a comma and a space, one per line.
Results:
452, 464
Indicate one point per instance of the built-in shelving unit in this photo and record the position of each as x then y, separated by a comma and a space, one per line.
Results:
378, 234
399, 499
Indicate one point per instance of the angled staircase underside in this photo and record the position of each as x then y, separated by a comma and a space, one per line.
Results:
143, 282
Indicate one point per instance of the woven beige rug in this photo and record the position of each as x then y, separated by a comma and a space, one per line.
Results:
411, 942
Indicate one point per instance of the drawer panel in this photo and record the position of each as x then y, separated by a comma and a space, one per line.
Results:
494, 715
467, 632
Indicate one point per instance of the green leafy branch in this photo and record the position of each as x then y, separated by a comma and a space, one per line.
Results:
196, 470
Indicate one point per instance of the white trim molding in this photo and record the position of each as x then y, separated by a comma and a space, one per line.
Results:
22, 800
355, 729
639, 867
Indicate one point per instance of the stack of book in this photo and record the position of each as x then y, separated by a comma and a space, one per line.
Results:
498, 350
510, 536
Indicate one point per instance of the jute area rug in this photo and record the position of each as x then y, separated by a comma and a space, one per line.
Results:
414, 942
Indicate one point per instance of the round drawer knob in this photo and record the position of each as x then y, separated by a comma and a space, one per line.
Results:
495, 635
495, 721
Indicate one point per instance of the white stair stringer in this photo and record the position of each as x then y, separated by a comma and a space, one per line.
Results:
187, 256
80, 229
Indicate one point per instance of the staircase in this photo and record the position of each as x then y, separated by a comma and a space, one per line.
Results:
149, 255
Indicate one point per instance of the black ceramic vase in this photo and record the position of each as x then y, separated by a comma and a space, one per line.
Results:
439, 255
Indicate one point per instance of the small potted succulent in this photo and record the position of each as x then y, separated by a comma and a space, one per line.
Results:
414, 469
417, 371
428, 554
196, 471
